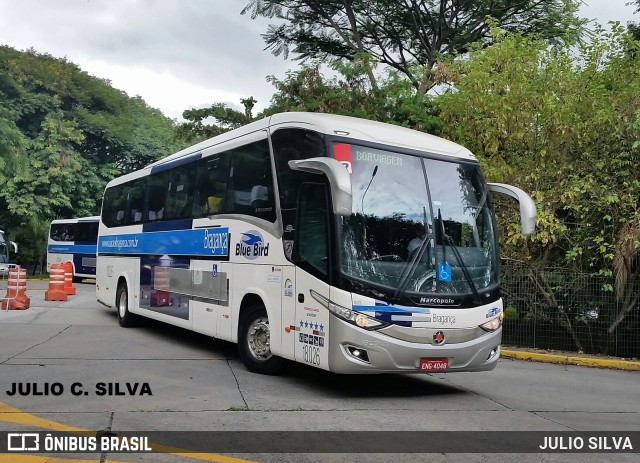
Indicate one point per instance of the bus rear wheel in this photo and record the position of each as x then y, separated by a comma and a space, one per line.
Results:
254, 342
125, 318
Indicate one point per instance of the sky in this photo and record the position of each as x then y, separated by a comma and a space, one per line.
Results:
175, 54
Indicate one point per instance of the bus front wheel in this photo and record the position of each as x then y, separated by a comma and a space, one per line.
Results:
125, 318
254, 342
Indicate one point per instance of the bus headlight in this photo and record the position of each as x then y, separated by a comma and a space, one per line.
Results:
357, 318
492, 325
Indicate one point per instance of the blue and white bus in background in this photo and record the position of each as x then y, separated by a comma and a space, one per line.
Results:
6, 249
348, 245
74, 240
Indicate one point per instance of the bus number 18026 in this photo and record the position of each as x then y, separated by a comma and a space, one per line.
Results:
311, 355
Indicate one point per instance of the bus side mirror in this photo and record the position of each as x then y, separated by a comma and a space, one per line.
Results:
15, 247
339, 180
528, 211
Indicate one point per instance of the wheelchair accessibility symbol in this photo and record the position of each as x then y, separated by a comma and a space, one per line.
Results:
444, 272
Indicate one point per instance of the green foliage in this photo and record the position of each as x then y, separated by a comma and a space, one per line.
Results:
565, 129
404, 34
511, 314
63, 135
198, 126
350, 93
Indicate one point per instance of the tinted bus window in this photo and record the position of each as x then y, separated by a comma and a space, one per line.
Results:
250, 182
211, 191
179, 200
87, 232
136, 192
114, 206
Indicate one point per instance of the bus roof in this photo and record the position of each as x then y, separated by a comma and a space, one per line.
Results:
332, 124
374, 132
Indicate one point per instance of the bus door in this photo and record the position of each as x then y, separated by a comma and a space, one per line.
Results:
311, 253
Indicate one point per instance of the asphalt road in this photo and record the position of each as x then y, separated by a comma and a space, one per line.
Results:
192, 383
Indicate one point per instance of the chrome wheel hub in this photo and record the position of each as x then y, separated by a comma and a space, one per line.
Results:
259, 339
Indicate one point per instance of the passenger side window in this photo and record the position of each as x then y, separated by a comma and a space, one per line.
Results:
87, 232
312, 243
136, 193
115, 205
180, 192
251, 182
156, 196
211, 190
293, 144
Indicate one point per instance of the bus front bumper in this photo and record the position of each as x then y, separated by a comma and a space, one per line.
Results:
386, 354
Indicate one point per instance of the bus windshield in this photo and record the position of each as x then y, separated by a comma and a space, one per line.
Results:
419, 225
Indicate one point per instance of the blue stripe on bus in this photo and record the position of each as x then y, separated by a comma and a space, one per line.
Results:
198, 242
166, 225
388, 313
175, 163
391, 309
72, 248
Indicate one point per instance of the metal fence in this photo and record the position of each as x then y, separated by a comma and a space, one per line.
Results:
558, 309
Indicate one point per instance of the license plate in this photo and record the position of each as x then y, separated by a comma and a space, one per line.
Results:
434, 364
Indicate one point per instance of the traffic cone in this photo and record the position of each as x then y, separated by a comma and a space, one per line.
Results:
56, 290
68, 278
16, 297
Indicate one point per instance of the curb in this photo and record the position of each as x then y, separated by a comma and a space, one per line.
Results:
626, 365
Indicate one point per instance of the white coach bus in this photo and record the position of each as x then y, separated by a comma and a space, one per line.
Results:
74, 240
349, 245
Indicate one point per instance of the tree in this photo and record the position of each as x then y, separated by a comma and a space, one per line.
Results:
226, 118
402, 34
55, 169
564, 128
63, 135
350, 93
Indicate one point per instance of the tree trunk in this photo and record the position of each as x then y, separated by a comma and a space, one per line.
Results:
547, 292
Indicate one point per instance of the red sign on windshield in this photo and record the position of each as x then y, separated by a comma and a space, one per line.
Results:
342, 152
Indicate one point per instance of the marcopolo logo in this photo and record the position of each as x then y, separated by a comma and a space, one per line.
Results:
437, 301
252, 246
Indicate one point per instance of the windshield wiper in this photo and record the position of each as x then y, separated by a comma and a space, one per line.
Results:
411, 266
463, 266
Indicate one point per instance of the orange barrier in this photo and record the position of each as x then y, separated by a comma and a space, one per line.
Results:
16, 297
56, 290
68, 278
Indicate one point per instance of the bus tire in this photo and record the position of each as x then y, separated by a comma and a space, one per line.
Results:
77, 279
254, 342
125, 318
